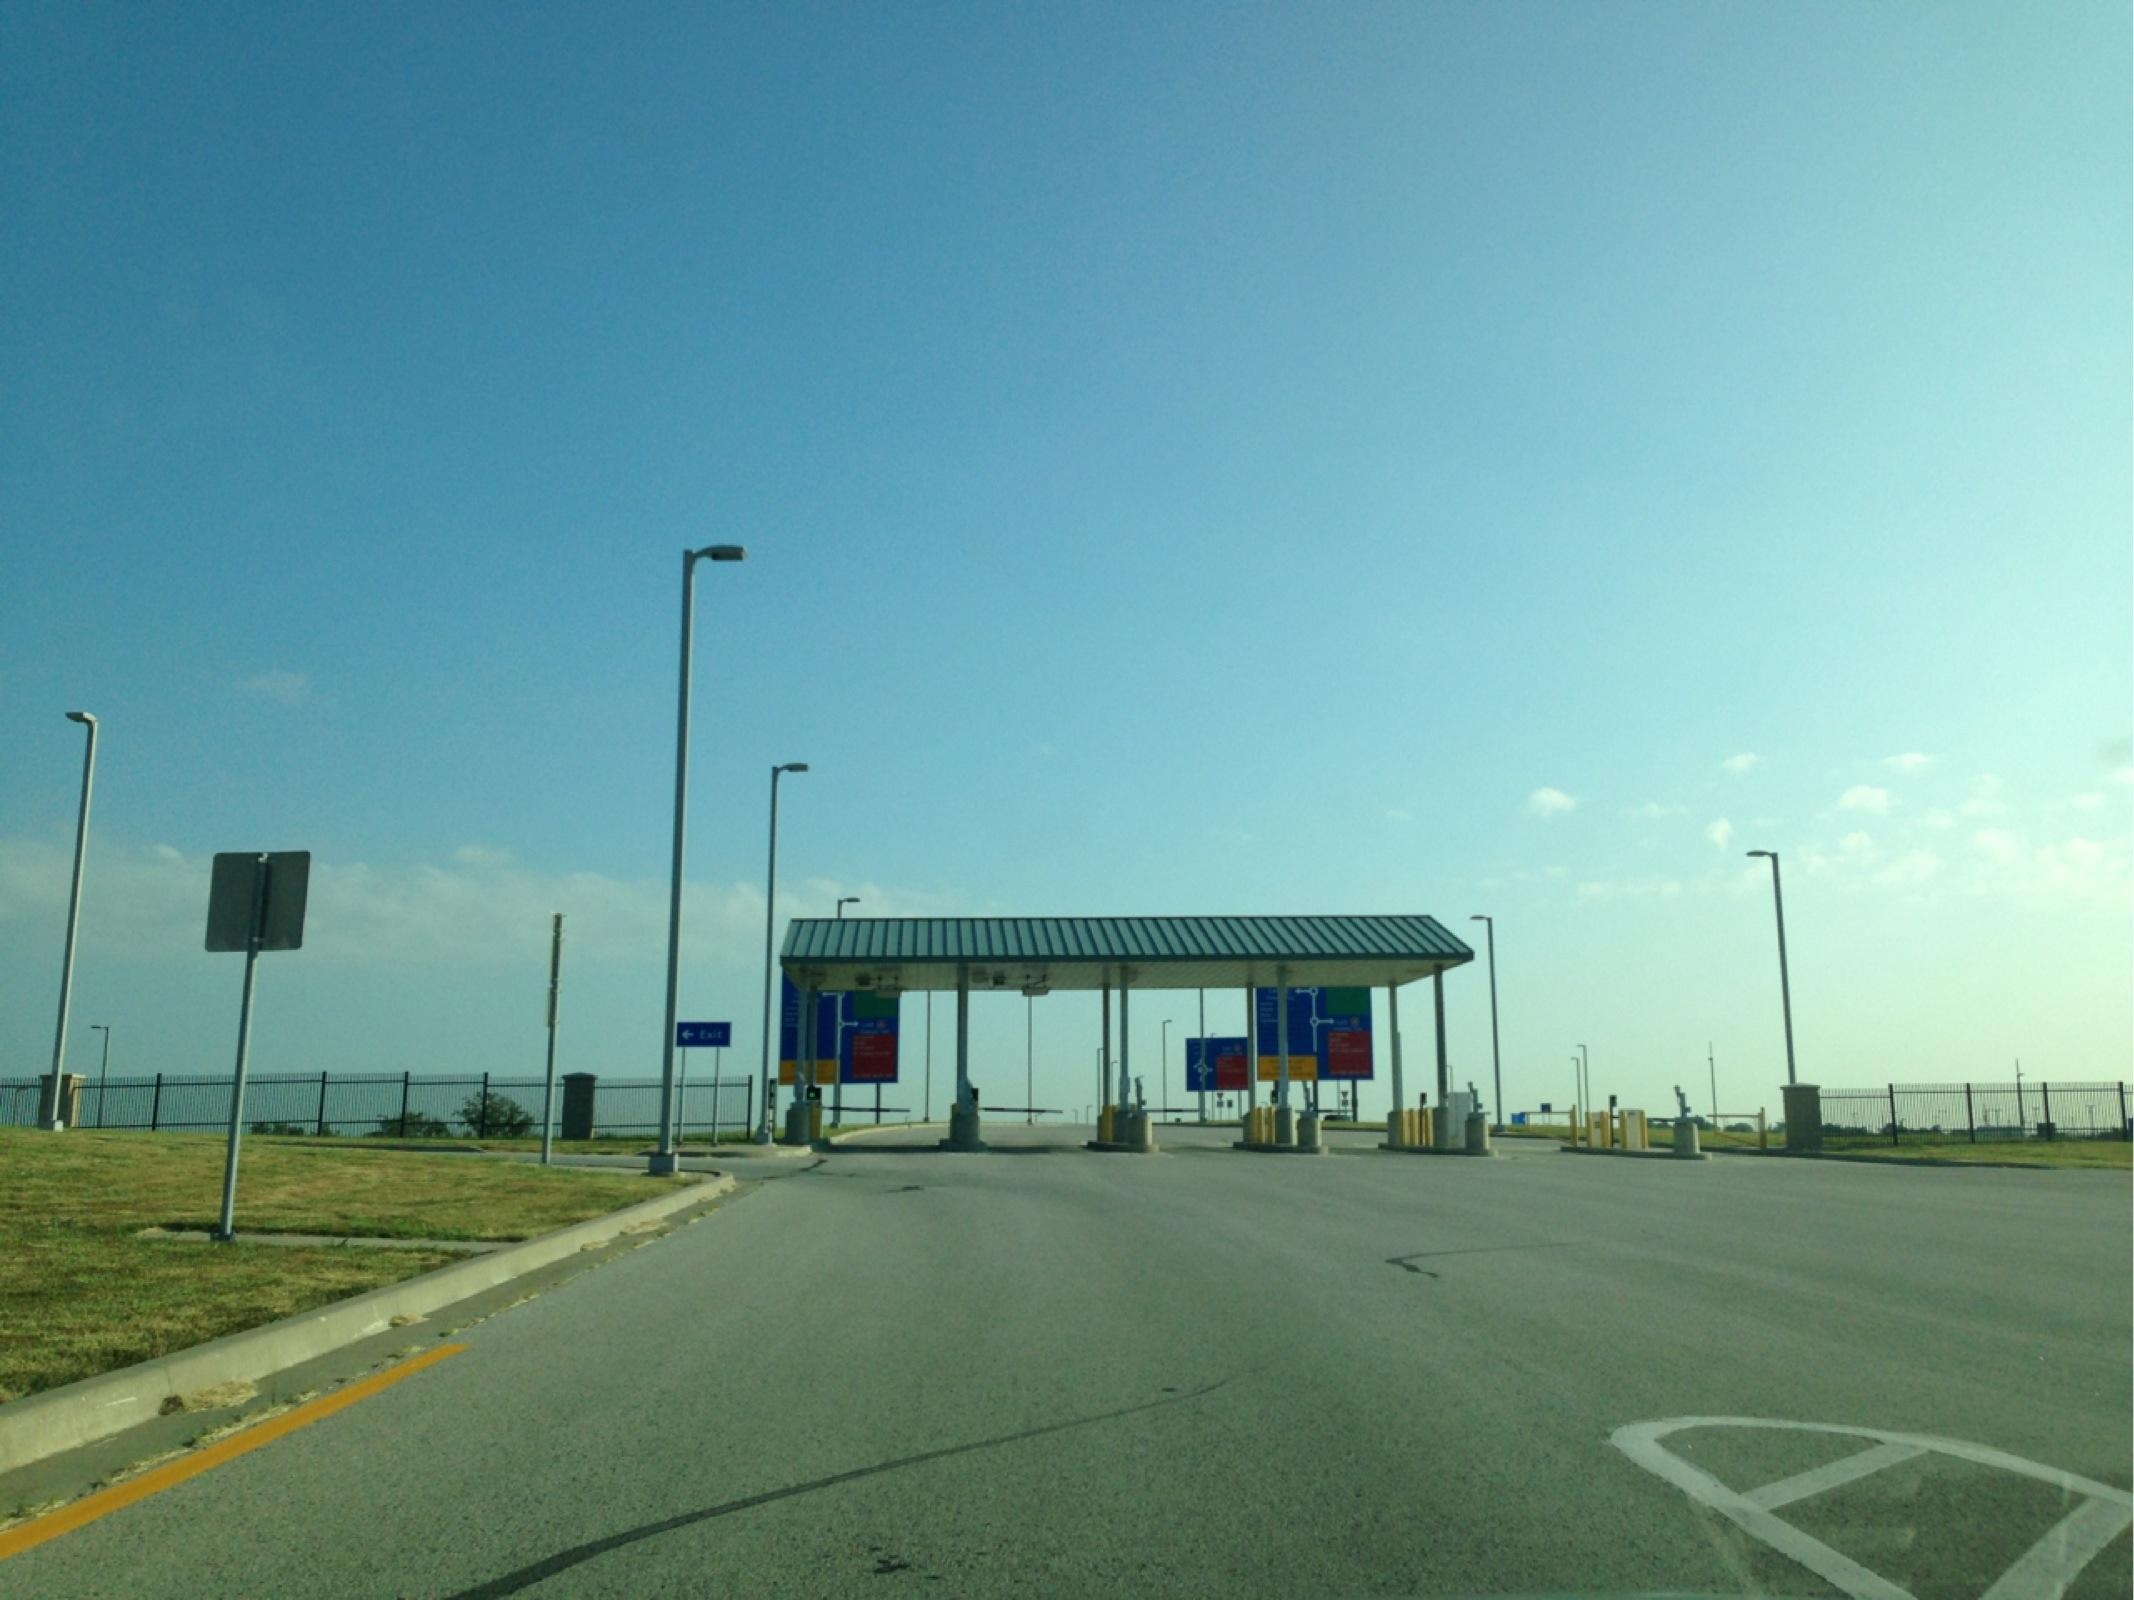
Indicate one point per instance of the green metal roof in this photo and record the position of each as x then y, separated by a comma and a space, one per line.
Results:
1083, 952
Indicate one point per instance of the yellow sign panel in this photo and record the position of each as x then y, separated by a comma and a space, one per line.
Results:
1302, 1069
825, 1071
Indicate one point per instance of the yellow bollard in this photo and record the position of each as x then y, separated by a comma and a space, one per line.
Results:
815, 1120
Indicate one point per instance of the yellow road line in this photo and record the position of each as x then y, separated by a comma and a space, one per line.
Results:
105, 1501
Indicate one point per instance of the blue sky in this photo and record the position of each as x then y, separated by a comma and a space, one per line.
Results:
1192, 459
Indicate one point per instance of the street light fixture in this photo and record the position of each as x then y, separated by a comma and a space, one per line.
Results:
54, 1104
770, 900
844, 901
664, 1160
1785, 987
1496, 1059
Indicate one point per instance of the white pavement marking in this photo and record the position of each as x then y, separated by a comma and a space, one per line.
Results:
1817, 1479
2043, 1572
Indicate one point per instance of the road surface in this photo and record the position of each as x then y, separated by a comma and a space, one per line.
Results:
1045, 1371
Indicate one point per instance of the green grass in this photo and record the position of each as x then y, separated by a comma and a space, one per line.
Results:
80, 1294
2098, 1154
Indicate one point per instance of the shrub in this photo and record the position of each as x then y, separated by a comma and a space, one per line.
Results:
281, 1128
505, 1118
413, 1126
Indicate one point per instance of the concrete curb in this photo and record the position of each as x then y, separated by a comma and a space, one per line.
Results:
1429, 1150
95, 1408
1280, 1149
1633, 1155
1863, 1160
888, 1127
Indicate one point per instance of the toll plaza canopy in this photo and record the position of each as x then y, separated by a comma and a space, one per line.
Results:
890, 955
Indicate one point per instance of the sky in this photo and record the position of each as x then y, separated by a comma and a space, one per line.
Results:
1193, 459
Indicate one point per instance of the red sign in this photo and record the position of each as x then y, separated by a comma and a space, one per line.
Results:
874, 1058
1348, 1053
1230, 1072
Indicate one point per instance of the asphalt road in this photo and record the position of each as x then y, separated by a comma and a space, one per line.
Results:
1211, 1373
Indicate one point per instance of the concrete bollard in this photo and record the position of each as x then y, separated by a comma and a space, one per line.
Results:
796, 1122
1397, 1129
1144, 1137
1285, 1125
1308, 1132
963, 1129
1686, 1139
1477, 1133
1804, 1116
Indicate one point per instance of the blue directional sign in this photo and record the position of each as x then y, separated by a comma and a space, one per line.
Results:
703, 1035
1213, 1065
1329, 1033
855, 1037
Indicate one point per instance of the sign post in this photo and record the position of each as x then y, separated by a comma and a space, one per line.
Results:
701, 1036
255, 902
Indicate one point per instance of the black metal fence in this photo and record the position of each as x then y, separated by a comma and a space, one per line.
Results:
1979, 1112
390, 1105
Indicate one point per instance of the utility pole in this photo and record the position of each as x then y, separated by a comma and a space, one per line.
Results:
555, 990
1711, 1064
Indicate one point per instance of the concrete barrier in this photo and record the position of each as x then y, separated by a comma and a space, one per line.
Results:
1804, 1116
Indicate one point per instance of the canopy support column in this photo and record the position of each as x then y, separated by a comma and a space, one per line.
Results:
1285, 1117
1400, 1101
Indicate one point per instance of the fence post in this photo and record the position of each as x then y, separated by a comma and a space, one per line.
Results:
322, 1106
2126, 1128
2045, 1089
155, 1104
748, 1105
405, 1078
1970, 1121
481, 1120
1893, 1113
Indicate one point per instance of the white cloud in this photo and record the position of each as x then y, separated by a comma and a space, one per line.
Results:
1910, 869
2087, 802
1719, 831
283, 687
1856, 844
477, 855
1910, 761
1653, 811
1549, 803
1393, 814
1998, 843
1939, 818
1985, 798
152, 902
1865, 797
2124, 777
2069, 870
1747, 761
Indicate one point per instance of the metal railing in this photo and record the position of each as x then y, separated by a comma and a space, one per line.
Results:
393, 1105
1977, 1112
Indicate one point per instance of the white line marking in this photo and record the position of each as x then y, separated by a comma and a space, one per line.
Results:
1830, 1476
2042, 1573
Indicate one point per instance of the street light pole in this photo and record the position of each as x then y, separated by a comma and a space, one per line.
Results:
54, 1103
1585, 1078
770, 975
1785, 986
664, 1160
103, 1071
1205, 1068
1496, 1059
1163, 1059
837, 1089
1029, 1060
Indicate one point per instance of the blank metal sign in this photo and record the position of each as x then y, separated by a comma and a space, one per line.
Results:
229, 899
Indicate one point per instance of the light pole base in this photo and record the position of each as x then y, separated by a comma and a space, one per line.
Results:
1285, 1125
963, 1130
663, 1163
1804, 1116
1308, 1132
796, 1123
54, 1126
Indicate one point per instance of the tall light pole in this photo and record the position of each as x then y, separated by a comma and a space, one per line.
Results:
664, 1160
1785, 987
1207, 1068
1578, 1097
844, 901
1496, 1060
770, 971
1585, 1078
103, 1071
837, 1090
54, 1104
1029, 1060
1163, 1060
